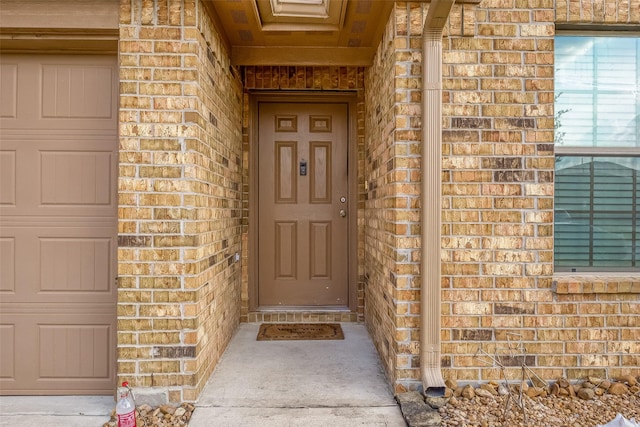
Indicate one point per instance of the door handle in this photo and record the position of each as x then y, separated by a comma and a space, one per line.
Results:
343, 213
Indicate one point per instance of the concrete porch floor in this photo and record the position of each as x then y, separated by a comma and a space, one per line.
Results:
257, 383
298, 383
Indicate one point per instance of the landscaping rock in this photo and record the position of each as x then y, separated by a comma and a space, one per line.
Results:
416, 412
600, 400
538, 382
436, 402
618, 389
468, 392
484, 393
161, 416
451, 383
629, 379
586, 393
491, 388
502, 390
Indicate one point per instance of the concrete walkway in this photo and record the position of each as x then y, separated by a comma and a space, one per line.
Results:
298, 383
257, 383
55, 411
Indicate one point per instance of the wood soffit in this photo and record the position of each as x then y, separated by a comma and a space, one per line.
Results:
302, 32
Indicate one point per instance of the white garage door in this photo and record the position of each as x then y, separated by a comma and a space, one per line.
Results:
58, 223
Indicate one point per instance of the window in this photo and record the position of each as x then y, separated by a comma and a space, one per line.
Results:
597, 142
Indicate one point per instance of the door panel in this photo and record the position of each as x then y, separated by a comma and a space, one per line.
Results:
320, 179
320, 250
286, 239
286, 183
302, 237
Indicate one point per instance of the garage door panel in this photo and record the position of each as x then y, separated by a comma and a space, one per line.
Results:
59, 351
65, 92
7, 265
58, 264
77, 91
75, 264
19, 254
76, 178
17, 332
7, 177
8, 90
58, 177
7, 352
73, 351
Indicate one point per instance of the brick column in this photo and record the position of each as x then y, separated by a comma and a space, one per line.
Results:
179, 198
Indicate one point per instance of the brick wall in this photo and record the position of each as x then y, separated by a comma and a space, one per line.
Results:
385, 206
498, 162
610, 13
601, 324
392, 170
179, 197
184, 194
303, 80
498, 284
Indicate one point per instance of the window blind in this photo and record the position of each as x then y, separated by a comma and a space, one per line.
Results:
597, 212
598, 91
597, 196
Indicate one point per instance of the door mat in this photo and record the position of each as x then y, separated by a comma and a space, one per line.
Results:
300, 331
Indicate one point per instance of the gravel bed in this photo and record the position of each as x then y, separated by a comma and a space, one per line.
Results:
583, 405
550, 411
161, 416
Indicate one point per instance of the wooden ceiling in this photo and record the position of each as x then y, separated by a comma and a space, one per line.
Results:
302, 32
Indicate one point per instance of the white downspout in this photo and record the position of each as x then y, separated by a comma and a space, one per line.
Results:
430, 371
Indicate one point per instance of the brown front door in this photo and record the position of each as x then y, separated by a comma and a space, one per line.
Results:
303, 205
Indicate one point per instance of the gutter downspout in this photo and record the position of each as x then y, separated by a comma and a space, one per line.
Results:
430, 371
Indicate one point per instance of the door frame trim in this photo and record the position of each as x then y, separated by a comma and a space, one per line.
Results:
346, 97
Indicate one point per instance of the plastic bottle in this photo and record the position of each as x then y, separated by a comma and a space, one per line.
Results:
126, 407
